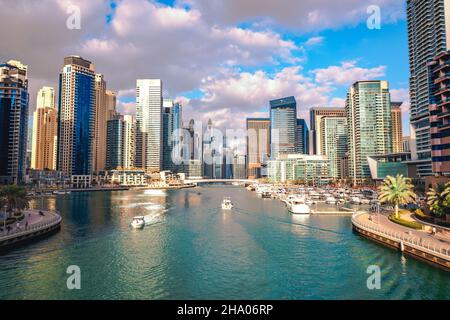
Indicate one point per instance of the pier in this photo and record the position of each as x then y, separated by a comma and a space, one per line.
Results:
36, 224
423, 245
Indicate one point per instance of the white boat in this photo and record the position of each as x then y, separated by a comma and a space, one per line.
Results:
355, 200
266, 194
227, 204
138, 222
299, 207
330, 200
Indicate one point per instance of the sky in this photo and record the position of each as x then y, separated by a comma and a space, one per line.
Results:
223, 59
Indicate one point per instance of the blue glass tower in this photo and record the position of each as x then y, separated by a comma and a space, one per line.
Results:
302, 137
283, 122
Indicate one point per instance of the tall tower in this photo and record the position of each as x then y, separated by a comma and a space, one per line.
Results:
397, 128
258, 146
283, 123
76, 116
167, 132
369, 120
149, 124
334, 143
14, 99
316, 115
45, 131
428, 35
102, 115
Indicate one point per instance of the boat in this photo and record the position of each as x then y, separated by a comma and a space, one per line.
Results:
299, 207
138, 222
355, 200
266, 194
365, 201
227, 204
330, 200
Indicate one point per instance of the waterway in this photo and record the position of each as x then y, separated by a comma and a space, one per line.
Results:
191, 249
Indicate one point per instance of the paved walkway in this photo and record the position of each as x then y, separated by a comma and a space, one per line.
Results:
439, 239
32, 218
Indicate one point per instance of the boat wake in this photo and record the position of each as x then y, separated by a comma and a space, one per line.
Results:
154, 193
152, 219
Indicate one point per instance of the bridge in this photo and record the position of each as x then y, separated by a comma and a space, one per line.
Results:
226, 181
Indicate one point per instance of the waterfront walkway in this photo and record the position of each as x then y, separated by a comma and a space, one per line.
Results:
33, 220
437, 244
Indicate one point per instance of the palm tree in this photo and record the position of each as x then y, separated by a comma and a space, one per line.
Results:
397, 190
438, 198
14, 198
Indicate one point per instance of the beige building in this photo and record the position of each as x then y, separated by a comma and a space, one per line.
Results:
45, 131
317, 135
258, 145
101, 117
397, 131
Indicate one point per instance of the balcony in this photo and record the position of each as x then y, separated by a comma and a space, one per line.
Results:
442, 78
442, 90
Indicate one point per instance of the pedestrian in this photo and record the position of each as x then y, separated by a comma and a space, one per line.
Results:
26, 225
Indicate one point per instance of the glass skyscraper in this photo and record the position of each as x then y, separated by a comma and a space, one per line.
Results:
302, 137
168, 121
334, 143
14, 100
283, 123
369, 120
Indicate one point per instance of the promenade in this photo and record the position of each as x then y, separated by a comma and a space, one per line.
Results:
424, 244
35, 223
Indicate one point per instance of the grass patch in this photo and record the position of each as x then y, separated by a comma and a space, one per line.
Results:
409, 224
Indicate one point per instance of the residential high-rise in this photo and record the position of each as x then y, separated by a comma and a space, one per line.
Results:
120, 142
283, 124
334, 143
302, 137
111, 102
76, 116
258, 146
45, 131
212, 152
428, 35
440, 115
369, 122
102, 115
406, 147
149, 124
167, 131
316, 115
397, 131
14, 99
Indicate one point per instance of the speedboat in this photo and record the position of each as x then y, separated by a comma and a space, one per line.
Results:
138, 222
227, 204
330, 200
299, 207
266, 194
355, 200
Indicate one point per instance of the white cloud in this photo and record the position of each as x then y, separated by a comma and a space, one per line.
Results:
313, 41
347, 73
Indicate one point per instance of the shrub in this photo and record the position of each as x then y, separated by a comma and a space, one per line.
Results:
408, 224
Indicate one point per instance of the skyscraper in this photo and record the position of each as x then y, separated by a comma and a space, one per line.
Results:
102, 115
258, 146
76, 116
302, 137
167, 131
149, 124
283, 124
129, 141
316, 115
428, 35
397, 130
334, 143
114, 143
45, 131
111, 101
14, 99
440, 115
369, 120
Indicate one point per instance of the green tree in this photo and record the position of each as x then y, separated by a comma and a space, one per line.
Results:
14, 198
438, 198
396, 190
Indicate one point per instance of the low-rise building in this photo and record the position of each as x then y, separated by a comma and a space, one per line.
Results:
310, 169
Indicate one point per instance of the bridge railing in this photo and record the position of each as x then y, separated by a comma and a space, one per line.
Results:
55, 219
413, 241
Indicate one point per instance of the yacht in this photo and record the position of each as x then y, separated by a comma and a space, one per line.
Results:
299, 207
266, 194
355, 200
138, 222
330, 200
227, 204
365, 201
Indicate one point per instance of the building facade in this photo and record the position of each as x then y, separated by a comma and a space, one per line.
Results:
168, 120
14, 103
440, 115
149, 124
302, 137
283, 125
369, 123
397, 127
428, 35
120, 142
45, 131
76, 117
258, 146
307, 169
335, 143
316, 115
102, 115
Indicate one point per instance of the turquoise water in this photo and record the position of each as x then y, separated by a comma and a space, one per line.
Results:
191, 249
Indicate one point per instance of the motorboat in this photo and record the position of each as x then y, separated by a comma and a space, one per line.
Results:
355, 200
266, 194
299, 207
330, 200
365, 201
227, 204
138, 222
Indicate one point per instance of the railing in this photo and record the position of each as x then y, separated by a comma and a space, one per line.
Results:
31, 228
413, 241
